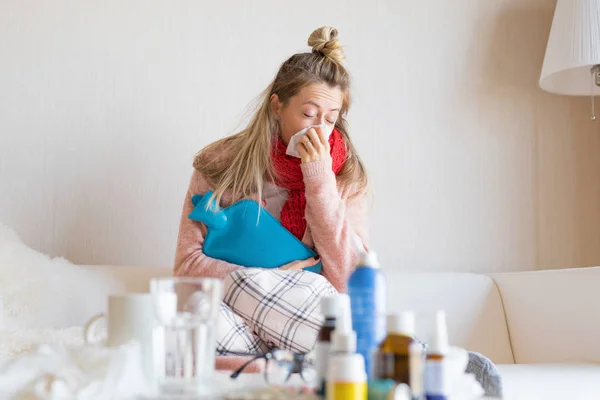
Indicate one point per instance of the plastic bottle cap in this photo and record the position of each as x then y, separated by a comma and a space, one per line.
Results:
343, 338
400, 392
330, 306
368, 259
439, 341
402, 323
347, 368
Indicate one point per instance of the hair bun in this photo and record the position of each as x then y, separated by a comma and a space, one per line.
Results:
324, 41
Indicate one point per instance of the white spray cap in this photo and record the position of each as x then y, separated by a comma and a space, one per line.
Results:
343, 338
346, 368
402, 323
400, 392
439, 341
366, 258
330, 306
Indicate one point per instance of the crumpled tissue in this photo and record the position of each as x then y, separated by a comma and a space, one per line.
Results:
462, 386
89, 372
292, 150
466, 388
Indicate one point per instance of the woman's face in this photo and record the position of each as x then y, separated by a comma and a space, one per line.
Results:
313, 105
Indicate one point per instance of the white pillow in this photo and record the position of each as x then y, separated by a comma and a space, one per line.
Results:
37, 291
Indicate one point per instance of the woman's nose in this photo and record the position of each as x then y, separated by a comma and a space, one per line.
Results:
321, 120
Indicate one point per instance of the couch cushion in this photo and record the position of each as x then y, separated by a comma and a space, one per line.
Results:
475, 315
553, 315
550, 381
472, 303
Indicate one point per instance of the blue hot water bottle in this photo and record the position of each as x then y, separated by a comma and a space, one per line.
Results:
244, 234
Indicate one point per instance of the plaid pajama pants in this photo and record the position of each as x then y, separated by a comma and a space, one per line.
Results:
264, 309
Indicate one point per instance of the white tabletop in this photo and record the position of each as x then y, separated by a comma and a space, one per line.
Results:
253, 386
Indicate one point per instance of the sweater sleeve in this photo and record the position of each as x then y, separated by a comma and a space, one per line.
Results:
189, 258
336, 220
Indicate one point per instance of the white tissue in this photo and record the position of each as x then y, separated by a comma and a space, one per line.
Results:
84, 373
466, 388
294, 140
463, 386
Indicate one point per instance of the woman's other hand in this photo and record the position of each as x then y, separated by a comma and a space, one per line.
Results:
301, 264
314, 145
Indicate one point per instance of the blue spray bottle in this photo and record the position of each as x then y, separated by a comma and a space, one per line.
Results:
366, 288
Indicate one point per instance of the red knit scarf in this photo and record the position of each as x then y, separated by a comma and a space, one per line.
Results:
288, 175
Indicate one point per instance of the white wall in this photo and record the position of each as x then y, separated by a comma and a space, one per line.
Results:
103, 105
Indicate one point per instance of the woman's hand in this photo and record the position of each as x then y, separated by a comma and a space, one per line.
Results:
301, 264
314, 146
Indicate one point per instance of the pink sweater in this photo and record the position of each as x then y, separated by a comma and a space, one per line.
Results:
334, 216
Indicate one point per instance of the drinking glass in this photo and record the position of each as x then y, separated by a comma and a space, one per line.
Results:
185, 312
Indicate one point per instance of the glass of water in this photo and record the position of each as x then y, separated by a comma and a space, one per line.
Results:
185, 311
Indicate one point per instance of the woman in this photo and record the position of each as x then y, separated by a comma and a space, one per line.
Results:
320, 198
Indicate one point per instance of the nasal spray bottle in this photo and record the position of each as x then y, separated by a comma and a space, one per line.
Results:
330, 308
366, 288
346, 377
436, 374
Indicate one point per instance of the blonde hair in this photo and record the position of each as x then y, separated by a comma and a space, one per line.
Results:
241, 163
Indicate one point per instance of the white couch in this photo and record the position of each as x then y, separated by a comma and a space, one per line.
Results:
539, 327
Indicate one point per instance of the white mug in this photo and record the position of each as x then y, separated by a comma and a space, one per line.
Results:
129, 317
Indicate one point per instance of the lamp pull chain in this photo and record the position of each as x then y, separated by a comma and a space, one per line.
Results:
592, 93
595, 82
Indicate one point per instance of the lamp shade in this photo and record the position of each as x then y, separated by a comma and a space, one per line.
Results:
573, 48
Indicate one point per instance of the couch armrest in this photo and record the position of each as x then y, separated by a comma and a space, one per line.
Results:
553, 316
